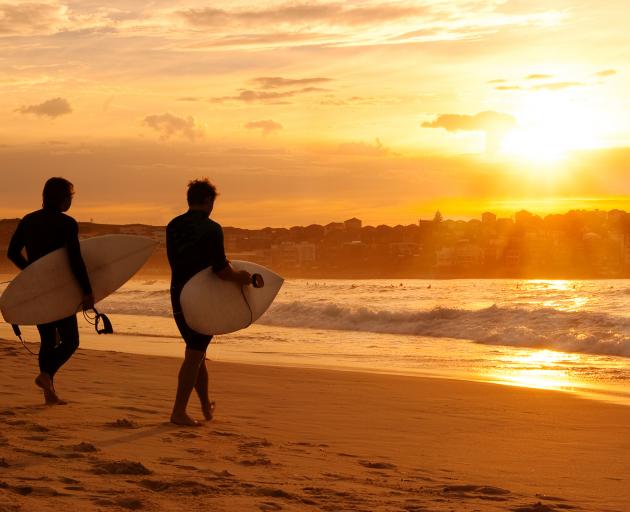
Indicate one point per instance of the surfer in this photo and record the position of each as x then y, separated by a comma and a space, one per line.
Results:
40, 233
194, 242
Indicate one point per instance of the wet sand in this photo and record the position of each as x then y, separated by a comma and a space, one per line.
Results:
301, 439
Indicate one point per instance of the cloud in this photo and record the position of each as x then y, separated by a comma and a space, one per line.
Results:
606, 72
488, 121
494, 124
303, 14
31, 18
364, 149
330, 99
249, 96
52, 108
538, 76
497, 81
169, 125
266, 126
508, 88
557, 86
274, 82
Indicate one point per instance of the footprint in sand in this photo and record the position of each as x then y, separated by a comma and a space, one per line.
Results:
138, 409
223, 433
253, 445
67, 480
185, 434
120, 467
536, 507
80, 448
27, 490
184, 487
484, 492
377, 465
35, 438
123, 423
267, 506
128, 503
261, 461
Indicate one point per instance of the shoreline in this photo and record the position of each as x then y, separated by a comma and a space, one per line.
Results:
221, 352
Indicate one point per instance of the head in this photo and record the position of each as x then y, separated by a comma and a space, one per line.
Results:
201, 195
57, 194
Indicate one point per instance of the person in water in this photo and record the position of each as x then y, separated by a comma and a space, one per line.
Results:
194, 242
40, 233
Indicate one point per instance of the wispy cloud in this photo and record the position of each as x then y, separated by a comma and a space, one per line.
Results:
29, 18
250, 96
275, 82
364, 149
169, 125
266, 126
606, 72
556, 86
484, 121
304, 13
538, 76
51, 108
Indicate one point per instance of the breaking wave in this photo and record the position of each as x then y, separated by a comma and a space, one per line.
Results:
585, 332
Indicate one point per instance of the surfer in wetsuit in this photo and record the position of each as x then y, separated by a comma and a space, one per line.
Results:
40, 233
194, 242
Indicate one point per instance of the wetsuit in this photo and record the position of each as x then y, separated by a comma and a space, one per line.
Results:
42, 232
193, 243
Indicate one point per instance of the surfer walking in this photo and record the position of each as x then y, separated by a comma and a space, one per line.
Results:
39, 233
194, 242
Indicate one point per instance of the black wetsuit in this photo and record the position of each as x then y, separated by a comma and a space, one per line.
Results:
42, 232
193, 243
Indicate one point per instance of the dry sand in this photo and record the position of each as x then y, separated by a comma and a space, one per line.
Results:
296, 439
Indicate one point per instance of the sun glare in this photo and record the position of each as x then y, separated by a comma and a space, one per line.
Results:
550, 124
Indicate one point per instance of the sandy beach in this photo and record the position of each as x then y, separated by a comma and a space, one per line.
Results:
301, 439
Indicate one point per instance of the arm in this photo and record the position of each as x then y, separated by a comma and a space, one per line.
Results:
220, 264
77, 265
18, 241
241, 277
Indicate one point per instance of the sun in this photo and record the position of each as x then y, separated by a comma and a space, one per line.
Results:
550, 124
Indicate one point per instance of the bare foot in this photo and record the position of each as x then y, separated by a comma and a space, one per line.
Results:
44, 381
208, 410
184, 419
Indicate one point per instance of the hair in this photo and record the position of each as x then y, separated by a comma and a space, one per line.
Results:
199, 191
56, 192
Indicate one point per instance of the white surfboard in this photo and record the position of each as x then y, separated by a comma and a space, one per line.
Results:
214, 306
47, 290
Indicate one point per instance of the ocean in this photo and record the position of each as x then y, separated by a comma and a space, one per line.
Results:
572, 336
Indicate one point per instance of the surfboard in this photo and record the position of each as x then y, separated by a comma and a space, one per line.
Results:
47, 290
212, 305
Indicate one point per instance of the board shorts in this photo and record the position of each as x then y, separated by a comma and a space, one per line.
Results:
194, 340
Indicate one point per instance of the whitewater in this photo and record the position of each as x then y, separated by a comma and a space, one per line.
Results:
566, 335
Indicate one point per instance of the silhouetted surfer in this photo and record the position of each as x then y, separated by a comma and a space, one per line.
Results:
40, 233
194, 243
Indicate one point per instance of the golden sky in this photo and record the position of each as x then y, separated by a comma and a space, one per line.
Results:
312, 111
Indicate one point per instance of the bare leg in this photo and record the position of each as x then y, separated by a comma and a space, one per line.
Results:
201, 387
44, 381
186, 382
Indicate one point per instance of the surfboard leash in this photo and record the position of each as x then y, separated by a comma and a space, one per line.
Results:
257, 282
18, 333
251, 313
